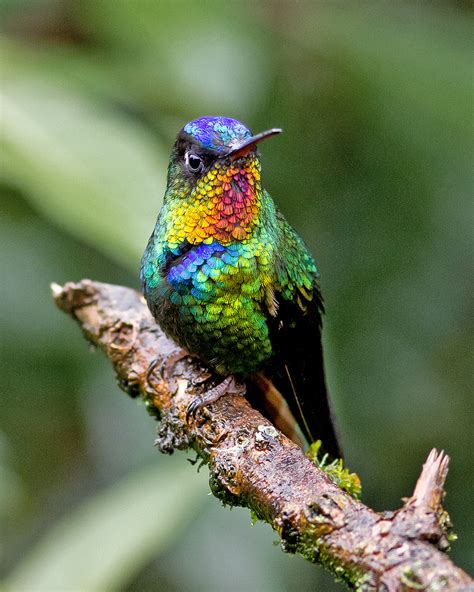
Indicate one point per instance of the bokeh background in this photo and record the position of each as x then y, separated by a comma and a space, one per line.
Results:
375, 99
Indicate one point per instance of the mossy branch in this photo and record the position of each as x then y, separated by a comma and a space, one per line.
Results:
254, 465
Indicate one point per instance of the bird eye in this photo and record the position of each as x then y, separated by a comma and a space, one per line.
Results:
195, 163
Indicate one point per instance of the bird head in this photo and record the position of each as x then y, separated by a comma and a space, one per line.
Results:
213, 190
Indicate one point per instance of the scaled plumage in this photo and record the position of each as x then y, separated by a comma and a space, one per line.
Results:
227, 277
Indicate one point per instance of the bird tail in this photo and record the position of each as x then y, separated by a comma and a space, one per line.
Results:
297, 402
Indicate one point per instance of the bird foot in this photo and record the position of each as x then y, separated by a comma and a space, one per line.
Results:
201, 379
229, 386
166, 365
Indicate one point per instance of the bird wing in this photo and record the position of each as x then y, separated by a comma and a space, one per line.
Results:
295, 322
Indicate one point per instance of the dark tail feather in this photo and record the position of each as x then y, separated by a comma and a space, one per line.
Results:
297, 369
297, 407
307, 397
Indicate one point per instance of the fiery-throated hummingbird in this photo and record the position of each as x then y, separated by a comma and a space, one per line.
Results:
230, 281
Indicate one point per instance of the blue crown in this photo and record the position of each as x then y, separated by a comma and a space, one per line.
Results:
217, 133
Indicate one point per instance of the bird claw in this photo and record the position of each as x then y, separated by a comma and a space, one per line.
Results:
151, 369
166, 365
201, 379
193, 408
229, 386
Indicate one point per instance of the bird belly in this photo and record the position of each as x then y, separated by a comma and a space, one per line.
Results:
214, 307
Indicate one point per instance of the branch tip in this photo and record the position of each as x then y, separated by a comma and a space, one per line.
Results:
56, 290
429, 489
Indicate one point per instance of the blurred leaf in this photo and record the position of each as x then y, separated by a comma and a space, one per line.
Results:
12, 491
422, 65
105, 542
183, 55
66, 67
90, 169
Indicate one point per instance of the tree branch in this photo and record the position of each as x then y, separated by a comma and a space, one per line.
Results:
252, 464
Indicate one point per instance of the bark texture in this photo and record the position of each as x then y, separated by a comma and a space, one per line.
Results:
252, 464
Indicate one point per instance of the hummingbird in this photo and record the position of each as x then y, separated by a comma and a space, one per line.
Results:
231, 282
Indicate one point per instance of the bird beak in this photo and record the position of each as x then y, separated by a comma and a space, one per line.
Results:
248, 145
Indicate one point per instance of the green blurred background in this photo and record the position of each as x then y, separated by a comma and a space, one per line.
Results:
373, 169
